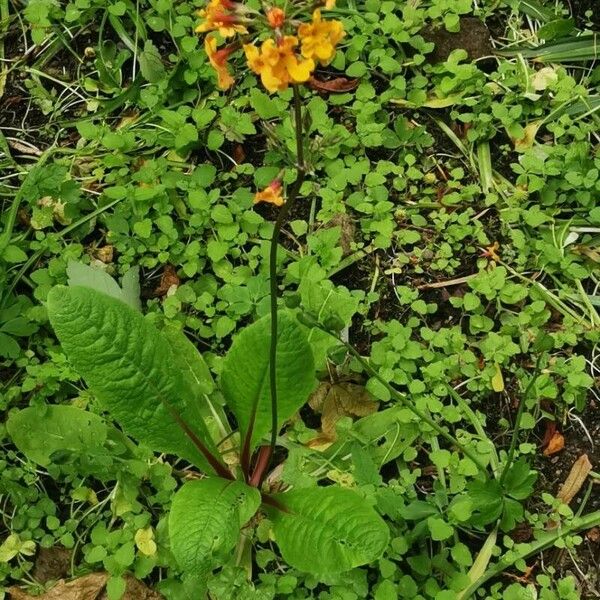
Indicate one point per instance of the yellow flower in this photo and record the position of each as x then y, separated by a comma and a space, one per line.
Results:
218, 61
271, 194
216, 19
320, 38
329, 4
277, 63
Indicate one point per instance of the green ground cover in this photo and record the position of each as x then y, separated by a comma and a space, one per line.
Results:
447, 232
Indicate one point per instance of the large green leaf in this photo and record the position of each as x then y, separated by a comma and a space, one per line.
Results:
189, 360
40, 431
328, 530
83, 275
245, 375
128, 365
205, 520
192, 366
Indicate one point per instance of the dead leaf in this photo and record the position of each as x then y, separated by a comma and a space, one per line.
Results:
89, 587
548, 433
591, 253
168, 279
579, 471
528, 138
491, 252
497, 379
337, 400
239, 154
543, 78
347, 230
105, 254
338, 85
556, 444
128, 119
84, 588
593, 534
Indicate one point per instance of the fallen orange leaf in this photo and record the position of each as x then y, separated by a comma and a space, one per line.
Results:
556, 444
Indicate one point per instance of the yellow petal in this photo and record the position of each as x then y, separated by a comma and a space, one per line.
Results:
300, 71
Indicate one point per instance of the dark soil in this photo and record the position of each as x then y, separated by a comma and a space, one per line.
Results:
580, 7
52, 564
474, 37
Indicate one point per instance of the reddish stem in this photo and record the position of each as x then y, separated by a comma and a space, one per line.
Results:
262, 464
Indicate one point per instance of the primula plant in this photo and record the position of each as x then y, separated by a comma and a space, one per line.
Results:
157, 387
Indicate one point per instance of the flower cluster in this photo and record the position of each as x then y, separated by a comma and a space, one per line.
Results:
289, 50
288, 56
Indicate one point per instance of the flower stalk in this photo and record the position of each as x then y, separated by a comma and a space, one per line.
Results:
293, 192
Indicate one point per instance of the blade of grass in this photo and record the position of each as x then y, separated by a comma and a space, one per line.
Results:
576, 49
4, 21
524, 551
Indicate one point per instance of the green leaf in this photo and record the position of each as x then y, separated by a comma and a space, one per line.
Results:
127, 364
151, 65
520, 479
481, 562
131, 288
418, 510
205, 520
9, 348
245, 375
439, 529
192, 366
189, 361
265, 106
39, 431
13, 254
328, 530
80, 274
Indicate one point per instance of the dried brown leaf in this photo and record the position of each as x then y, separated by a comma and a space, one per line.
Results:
333, 86
593, 534
89, 587
347, 231
105, 254
84, 588
169, 278
337, 400
579, 471
548, 432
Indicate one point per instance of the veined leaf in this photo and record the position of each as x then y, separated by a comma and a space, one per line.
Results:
341, 530
39, 431
205, 520
190, 360
86, 276
192, 366
245, 376
128, 365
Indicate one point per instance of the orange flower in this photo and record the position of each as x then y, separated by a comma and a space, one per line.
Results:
320, 38
271, 194
276, 18
277, 63
218, 61
216, 19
